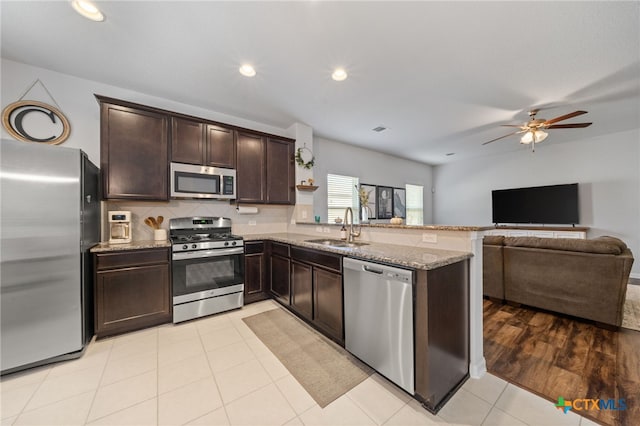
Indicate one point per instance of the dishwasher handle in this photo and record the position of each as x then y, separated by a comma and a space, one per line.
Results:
368, 268
386, 271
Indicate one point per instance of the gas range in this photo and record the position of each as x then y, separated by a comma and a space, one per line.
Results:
207, 267
202, 233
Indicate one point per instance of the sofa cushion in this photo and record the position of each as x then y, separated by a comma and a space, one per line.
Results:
493, 240
599, 245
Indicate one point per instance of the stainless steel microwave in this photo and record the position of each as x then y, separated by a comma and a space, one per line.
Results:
192, 181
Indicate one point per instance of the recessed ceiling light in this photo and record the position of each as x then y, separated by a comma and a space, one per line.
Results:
247, 70
88, 10
339, 74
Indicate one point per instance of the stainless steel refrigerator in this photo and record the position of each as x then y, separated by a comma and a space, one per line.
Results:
50, 218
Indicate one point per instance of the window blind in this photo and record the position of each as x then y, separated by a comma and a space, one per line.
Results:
415, 204
341, 193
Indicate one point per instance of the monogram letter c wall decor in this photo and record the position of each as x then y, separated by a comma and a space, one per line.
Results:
33, 121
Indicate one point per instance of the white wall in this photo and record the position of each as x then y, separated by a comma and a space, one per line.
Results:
607, 169
75, 98
370, 167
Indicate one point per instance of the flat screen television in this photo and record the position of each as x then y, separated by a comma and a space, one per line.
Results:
553, 204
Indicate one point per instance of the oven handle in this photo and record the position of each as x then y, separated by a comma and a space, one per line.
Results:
207, 253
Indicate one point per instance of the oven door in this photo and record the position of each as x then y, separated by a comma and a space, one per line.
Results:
207, 273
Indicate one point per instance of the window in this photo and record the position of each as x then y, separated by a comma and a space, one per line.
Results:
341, 193
414, 204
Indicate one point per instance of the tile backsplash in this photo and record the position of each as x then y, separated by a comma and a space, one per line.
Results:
268, 219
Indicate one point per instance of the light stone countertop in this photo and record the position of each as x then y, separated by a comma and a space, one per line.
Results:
410, 257
134, 245
404, 226
407, 256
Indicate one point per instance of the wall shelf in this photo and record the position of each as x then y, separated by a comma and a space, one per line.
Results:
310, 188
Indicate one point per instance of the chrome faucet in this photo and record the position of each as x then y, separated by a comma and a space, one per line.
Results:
352, 233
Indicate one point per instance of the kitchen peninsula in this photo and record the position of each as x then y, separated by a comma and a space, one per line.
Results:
307, 276
441, 237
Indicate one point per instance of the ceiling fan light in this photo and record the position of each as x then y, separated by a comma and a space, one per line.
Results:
527, 138
539, 136
534, 136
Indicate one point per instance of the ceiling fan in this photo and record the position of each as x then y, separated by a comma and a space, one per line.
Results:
534, 129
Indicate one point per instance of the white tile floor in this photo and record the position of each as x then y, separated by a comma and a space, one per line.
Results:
214, 371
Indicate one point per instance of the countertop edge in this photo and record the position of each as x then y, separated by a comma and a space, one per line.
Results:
133, 245
365, 253
404, 226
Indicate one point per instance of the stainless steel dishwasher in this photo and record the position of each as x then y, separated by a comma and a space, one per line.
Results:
378, 318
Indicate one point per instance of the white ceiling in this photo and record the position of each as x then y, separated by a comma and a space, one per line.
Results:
442, 76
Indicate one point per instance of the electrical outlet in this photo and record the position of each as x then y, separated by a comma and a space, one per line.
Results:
429, 238
318, 228
326, 230
304, 214
252, 223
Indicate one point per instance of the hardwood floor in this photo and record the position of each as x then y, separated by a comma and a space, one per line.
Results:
559, 356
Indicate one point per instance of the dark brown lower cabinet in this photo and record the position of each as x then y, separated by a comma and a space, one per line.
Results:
255, 273
316, 290
441, 332
327, 302
302, 289
132, 290
280, 278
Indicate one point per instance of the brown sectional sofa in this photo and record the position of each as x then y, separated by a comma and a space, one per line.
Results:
583, 278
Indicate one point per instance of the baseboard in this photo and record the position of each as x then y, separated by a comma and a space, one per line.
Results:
478, 369
635, 276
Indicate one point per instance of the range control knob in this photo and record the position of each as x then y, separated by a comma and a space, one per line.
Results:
226, 243
193, 246
184, 247
233, 243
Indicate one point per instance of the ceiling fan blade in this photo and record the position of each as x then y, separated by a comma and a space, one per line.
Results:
568, 126
564, 117
512, 125
502, 137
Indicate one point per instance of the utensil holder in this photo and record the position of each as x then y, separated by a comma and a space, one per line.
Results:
160, 234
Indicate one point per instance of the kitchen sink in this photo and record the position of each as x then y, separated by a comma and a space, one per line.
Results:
336, 243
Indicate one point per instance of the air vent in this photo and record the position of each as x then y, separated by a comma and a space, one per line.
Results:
379, 129
449, 154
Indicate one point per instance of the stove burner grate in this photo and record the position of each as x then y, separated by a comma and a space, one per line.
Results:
204, 237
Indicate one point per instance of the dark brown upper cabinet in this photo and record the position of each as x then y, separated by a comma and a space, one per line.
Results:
134, 152
194, 142
187, 141
137, 142
220, 147
251, 168
280, 172
265, 170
